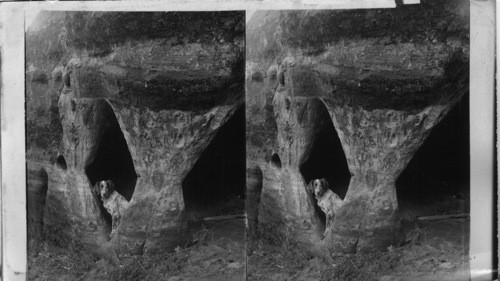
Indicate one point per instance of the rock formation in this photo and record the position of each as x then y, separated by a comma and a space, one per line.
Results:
384, 78
130, 97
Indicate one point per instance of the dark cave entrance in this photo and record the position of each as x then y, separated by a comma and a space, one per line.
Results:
276, 161
111, 159
437, 179
326, 159
61, 163
216, 183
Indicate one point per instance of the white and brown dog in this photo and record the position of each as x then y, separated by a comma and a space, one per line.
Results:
327, 200
113, 201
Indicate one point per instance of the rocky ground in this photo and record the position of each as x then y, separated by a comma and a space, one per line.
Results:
216, 253
429, 250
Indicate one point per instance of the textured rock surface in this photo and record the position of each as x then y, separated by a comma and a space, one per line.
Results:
131, 97
385, 77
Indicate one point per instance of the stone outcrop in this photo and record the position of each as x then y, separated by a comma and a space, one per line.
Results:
136, 98
384, 78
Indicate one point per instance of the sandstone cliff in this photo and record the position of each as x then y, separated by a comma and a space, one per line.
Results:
381, 78
130, 97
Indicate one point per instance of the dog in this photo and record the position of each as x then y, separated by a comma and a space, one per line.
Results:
328, 201
112, 201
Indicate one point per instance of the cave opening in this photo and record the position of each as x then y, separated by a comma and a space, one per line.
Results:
216, 184
112, 159
436, 181
326, 159
276, 161
61, 163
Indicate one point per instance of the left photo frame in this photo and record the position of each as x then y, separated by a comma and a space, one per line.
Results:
135, 145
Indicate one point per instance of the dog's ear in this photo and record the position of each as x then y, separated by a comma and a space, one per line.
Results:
95, 188
309, 187
321, 192
324, 183
111, 186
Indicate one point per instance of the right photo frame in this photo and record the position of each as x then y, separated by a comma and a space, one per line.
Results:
358, 148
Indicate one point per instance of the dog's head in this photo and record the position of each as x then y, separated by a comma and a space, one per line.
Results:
105, 188
319, 186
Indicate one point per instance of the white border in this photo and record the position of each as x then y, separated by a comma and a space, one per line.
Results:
482, 128
13, 194
496, 129
212, 5
14, 248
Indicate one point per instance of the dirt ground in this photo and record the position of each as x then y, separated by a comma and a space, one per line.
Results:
435, 250
217, 253
429, 250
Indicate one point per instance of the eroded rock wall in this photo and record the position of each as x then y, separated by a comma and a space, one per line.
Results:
139, 98
384, 88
